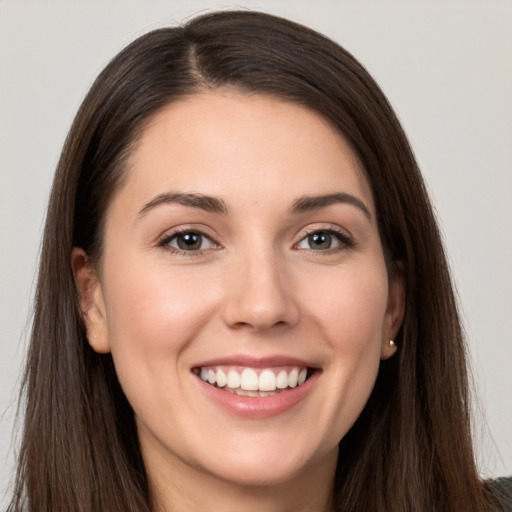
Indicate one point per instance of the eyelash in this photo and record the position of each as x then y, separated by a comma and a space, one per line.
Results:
167, 239
346, 242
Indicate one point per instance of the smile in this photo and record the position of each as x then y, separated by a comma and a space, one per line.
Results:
253, 382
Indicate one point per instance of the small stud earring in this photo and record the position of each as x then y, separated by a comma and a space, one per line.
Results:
392, 344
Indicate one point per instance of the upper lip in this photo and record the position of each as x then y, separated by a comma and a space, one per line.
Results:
256, 362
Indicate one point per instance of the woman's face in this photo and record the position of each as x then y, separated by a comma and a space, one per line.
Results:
242, 257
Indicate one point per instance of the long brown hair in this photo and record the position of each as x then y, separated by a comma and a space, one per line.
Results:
411, 447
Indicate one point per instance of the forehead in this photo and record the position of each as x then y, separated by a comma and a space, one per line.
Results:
249, 146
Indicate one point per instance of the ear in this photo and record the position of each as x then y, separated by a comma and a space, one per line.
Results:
91, 301
394, 314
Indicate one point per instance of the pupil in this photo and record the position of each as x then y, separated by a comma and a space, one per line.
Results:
189, 241
320, 241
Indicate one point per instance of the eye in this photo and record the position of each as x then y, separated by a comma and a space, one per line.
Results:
188, 241
323, 240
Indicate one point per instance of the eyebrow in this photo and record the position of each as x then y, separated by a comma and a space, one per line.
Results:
194, 200
216, 205
308, 203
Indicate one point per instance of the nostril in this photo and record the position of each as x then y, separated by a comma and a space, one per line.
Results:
257, 297
260, 316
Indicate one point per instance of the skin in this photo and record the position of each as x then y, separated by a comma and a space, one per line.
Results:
258, 287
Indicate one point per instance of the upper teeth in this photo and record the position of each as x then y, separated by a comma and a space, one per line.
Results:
249, 380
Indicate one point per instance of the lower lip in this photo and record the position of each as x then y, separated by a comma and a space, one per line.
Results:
258, 407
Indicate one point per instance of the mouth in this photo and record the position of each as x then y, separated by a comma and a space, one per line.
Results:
254, 382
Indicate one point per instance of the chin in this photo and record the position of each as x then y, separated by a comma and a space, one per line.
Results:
266, 463
248, 473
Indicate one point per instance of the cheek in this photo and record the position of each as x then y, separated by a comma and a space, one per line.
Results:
152, 317
158, 305
350, 315
350, 305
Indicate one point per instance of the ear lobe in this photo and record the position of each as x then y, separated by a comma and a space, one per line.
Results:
394, 314
91, 301
388, 349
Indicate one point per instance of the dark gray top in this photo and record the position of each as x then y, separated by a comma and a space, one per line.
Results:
502, 488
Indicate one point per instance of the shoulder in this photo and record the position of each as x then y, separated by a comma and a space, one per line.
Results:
502, 489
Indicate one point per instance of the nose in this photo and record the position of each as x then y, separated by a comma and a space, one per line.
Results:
260, 294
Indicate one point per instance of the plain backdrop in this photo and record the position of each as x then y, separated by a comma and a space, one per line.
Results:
446, 66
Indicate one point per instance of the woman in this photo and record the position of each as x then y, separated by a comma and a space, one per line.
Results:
243, 300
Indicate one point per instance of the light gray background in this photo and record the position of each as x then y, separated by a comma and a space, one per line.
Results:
446, 67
